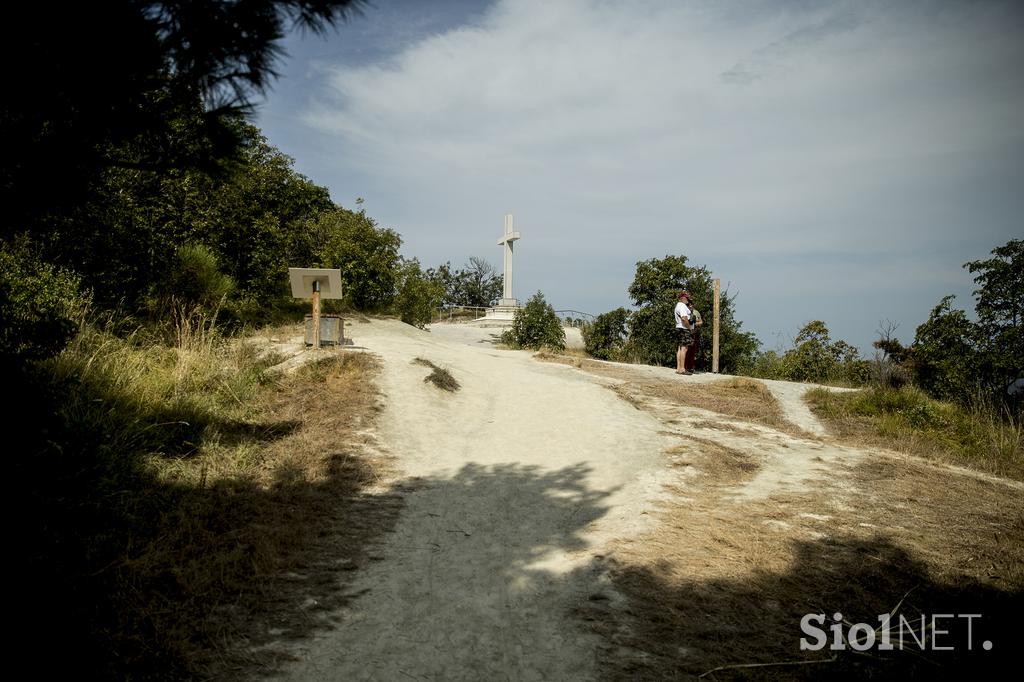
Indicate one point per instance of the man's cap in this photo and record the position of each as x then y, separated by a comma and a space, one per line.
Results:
684, 294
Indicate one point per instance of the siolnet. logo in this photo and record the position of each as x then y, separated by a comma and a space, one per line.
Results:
935, 632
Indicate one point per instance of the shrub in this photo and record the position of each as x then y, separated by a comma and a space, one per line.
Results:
943, 354
40, 305
535, 326
194, 279
418, 296
605, 337
815, 358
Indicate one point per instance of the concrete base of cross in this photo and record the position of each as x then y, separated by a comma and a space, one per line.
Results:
500, 315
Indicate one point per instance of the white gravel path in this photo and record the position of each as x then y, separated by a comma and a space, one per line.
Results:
520, 477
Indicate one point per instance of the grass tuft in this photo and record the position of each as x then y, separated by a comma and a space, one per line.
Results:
440, 377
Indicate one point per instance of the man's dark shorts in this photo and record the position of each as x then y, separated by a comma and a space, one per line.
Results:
684, 336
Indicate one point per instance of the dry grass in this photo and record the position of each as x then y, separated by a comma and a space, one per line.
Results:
723, 426
310, 519
742, 398
567, 356
717, 464
221, 504
439, 376
724, 582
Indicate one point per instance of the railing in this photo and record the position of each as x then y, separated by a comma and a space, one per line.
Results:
466, 313
575, 318
462, 313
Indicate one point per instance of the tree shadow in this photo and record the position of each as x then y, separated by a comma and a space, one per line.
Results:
128, 574
680, 628
478, 560
131, 576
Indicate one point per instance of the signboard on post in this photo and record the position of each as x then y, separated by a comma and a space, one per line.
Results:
315, 283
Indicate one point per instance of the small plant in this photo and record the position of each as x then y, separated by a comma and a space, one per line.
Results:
536, 326
440, 377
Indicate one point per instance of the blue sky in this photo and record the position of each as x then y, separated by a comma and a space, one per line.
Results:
827, 160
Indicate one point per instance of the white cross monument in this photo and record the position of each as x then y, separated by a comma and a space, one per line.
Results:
507, 239
504, 313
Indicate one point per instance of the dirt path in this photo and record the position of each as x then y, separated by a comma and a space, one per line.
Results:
518, 479
534, 487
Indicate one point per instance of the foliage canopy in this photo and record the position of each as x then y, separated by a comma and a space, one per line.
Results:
654, 291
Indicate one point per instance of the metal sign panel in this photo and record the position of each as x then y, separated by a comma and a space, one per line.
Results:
302, 282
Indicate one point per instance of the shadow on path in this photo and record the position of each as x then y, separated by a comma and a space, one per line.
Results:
476, 582
679, 628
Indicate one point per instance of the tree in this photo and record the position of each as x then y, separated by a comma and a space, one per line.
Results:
535, 325
943, 354
954, 358
816, 357
477, 284
654, 291
605, 337
813, 357
444, 278
252, 216
418, 296
131, 84
999, 332
366, 254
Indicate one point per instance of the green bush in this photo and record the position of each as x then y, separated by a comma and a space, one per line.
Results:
418, 297
943, 354
536, 326
41, 305
814, 358
194, 279
605, 337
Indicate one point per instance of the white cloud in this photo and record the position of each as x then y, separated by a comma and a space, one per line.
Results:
629, 131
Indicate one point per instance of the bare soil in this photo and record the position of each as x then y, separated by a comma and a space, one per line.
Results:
579, 520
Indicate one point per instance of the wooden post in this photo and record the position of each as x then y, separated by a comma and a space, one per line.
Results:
714, 343
316, 314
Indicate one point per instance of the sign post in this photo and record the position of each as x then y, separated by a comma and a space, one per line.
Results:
714, 343
315, 283
316, 313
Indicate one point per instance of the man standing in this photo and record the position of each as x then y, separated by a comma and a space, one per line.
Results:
684, 333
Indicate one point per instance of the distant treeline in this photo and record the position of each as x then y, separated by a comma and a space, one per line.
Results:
951, 358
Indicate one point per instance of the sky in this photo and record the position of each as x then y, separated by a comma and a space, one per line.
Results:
827, 160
